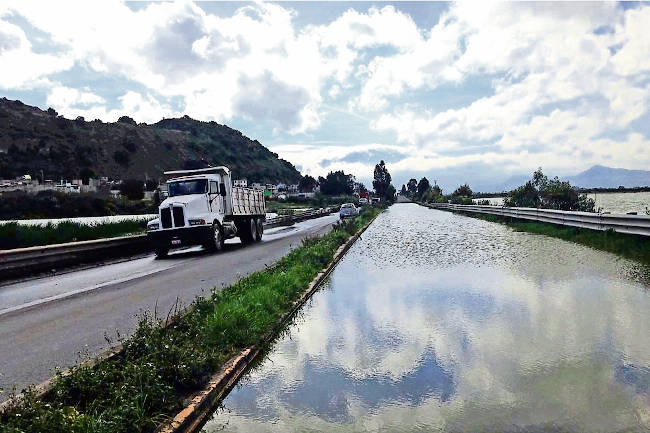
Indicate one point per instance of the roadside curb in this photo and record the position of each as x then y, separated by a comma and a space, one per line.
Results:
201, 405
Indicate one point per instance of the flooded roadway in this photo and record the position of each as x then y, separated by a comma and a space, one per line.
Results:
439, 322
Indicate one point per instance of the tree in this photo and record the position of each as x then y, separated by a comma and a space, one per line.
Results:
127, 120
151, 184
122, 158
133, 189
549, 194
194, 164
337, 183
381, 180
85, 174
390, 194
412, 187
423, 187
307, 183
403, 190
463, 191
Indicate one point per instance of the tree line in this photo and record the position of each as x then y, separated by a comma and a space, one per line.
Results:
539, 192
338, 183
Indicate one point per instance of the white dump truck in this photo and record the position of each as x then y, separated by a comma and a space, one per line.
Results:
204, 208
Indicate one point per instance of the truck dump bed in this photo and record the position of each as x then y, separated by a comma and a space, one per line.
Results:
247, 201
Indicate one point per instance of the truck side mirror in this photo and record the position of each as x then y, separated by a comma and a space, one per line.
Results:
222, 189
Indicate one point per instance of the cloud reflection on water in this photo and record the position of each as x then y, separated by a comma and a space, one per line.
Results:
438, 321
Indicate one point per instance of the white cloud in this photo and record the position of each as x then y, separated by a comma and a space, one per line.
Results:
62, 96
73, 102
633, 57
550, 57
20, 67
558, 85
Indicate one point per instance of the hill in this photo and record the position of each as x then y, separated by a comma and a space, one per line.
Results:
600, 176
32, 140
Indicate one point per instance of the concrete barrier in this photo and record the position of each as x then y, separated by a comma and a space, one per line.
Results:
25, 261
621, 223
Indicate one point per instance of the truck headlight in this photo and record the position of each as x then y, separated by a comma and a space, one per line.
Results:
196, 222
153, 226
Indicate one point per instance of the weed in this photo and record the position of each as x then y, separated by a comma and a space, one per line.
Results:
14, 235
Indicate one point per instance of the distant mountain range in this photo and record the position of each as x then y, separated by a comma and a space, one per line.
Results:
33, 141
600, 176
597, 176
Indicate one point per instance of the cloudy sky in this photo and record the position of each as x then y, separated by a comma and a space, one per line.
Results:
457, 92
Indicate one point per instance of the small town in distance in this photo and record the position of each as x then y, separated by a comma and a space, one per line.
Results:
276, 217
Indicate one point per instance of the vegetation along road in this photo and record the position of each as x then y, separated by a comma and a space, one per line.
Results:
51, 322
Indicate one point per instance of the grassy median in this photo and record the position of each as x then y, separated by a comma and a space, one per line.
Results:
13, 235
630, 246
159, 366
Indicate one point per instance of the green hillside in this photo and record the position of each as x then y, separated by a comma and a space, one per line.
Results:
32, 140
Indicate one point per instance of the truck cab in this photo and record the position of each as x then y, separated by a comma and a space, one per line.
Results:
203, 208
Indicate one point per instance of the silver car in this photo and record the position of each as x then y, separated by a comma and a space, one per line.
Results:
348, 210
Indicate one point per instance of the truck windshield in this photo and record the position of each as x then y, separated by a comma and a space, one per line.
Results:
185, 187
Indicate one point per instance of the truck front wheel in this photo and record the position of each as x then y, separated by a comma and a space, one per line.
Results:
216, 240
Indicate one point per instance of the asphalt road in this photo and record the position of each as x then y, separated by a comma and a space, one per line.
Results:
57, 321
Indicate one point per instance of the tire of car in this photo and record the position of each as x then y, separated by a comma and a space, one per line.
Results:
161, 252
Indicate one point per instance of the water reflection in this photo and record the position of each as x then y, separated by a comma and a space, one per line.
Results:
435, 321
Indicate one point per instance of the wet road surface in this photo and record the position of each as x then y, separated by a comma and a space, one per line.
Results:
56, 321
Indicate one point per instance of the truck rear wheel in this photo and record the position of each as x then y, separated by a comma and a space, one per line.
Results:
259, 225
247, 230
161, 252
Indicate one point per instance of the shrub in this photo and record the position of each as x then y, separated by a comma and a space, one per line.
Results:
122, 158
132, 189
549, 194
463, 191
127, 120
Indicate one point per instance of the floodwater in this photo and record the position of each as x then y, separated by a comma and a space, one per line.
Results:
622, 202
434, 321
612, 202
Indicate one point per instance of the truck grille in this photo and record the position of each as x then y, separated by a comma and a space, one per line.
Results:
179, 220
166, 218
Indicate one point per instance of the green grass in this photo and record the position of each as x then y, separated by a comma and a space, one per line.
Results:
318, 201
630, 246
281, 207
159, 366
13, 235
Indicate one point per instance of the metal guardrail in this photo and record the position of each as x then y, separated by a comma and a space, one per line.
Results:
21, 261
34, 259
621, 223
287, 220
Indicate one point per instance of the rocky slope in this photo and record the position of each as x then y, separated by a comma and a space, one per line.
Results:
33, 140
